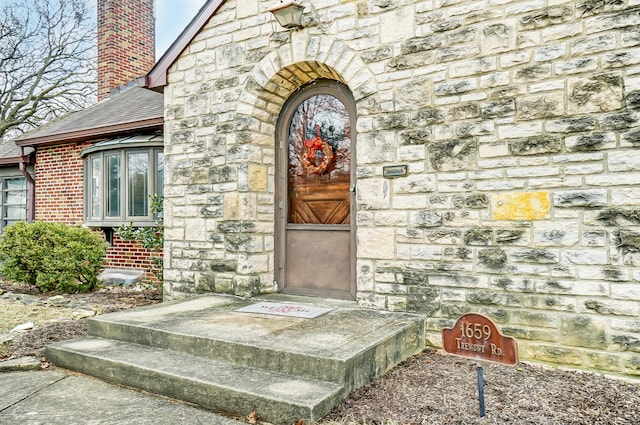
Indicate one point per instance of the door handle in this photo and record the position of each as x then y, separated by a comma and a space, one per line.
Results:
352, 189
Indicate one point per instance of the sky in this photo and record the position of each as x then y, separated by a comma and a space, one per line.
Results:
172, 16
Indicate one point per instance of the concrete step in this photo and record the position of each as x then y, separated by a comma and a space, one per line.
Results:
345, 345
277, 398
204, 351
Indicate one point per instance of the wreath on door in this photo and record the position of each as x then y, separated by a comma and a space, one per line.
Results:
317, 155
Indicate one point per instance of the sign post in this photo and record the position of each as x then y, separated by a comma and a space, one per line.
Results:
477, 337
480, 389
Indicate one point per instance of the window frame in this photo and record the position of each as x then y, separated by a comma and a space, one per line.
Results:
154, 152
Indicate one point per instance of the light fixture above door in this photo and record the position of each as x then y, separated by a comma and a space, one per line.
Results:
289, 14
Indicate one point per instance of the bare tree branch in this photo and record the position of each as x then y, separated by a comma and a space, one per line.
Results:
47, 61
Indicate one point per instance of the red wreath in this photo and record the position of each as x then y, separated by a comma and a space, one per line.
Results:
312, 162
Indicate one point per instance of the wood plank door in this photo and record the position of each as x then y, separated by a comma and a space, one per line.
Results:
315, 247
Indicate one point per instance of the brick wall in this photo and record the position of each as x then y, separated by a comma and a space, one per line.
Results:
130, 255
59, 175
518, 121
125, 42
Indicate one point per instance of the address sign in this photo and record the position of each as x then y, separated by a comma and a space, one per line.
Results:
476, 336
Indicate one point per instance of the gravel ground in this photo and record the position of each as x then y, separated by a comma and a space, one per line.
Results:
430, 388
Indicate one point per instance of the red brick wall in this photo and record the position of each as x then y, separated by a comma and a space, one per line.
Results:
130, 255
125, 42
59, 175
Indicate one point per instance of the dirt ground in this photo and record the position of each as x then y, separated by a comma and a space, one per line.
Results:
56, 323
430, 388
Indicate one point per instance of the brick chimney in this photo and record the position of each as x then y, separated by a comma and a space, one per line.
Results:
126, 49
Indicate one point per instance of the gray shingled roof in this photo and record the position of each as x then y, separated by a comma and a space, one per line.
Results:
134, 105
8, 149
10, 153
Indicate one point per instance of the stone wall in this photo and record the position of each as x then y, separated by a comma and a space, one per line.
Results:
518, 121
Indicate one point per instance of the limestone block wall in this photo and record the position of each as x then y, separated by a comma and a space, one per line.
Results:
518, 121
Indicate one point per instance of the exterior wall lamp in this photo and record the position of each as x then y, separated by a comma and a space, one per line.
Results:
289, 14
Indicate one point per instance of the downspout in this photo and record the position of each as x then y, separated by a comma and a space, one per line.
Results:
31, 187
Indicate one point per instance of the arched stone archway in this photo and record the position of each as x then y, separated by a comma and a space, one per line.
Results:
307, 58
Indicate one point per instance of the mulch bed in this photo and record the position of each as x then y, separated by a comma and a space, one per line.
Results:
433, 388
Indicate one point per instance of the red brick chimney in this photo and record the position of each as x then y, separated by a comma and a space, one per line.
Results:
126, 48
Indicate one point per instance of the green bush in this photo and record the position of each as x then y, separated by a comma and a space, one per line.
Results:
52, 256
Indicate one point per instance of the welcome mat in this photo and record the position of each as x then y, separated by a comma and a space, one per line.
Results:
281, 309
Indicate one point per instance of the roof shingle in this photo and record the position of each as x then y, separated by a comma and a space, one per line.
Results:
135, 105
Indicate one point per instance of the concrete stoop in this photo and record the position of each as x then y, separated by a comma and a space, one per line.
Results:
202, 351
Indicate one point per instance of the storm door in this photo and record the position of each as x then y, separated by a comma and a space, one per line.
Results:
315, 247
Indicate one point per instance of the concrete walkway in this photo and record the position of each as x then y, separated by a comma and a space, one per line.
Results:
59, 398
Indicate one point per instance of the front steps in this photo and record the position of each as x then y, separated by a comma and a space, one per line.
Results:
202, 351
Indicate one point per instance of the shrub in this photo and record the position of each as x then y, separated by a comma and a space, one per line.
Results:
52, 256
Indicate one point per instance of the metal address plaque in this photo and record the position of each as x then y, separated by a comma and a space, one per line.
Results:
476, 336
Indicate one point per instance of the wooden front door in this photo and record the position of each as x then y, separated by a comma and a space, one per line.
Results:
315, 247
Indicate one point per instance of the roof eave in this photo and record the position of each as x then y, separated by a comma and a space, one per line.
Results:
16, 160
157, 77
93, 133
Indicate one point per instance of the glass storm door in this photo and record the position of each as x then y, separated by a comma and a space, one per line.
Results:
315, 247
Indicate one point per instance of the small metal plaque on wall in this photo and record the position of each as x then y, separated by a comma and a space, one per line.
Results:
392, 171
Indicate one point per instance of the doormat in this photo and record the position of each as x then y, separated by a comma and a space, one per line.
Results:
281, 309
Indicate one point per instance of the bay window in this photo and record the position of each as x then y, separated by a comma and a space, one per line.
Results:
118, 182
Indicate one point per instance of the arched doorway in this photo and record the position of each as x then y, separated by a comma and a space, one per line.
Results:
315, 179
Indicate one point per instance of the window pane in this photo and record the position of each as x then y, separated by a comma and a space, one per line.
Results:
16, 184
113, 185
319, 162
96, 174
138, 184
160, 173
15, 192
15, 198
15, 213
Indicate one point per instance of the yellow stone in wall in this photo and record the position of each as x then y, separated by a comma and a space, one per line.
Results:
239, 206
521, 206
257, 178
